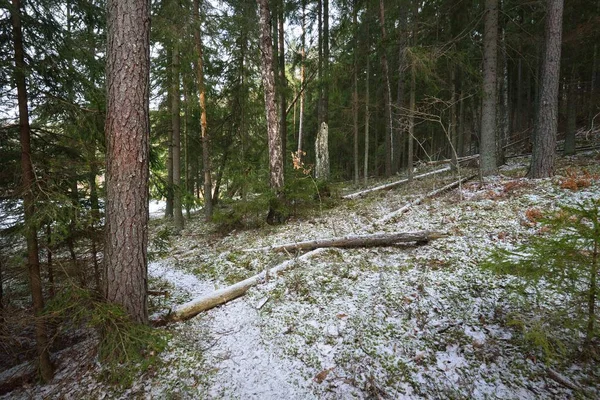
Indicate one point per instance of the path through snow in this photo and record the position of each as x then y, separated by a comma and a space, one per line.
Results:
247, 367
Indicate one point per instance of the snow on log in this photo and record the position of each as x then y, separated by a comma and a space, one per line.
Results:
419, 200
221, 296
378, 239
393, 184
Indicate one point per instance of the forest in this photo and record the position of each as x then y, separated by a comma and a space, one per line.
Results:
303, 199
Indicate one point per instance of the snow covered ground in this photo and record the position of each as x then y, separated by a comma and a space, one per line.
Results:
401, 322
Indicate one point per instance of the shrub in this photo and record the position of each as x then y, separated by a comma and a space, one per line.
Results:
565, 257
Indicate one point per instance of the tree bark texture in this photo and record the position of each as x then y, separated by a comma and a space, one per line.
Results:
127, 139
28, 186
322, 152
355, 91
302, 80
268, 78
487, 147
282, 80
367, 112
206, 161
544, 140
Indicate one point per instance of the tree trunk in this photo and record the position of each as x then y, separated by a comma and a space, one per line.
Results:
206, 164
222, 296
487, 146
176, 122
355, 90
49, 260
373, 240
127, 140
28, 186
170, 190
302, 81
389, 137
411, 120
282, 81
367, 112
268, 78
322, 153
504, 120
95, 213
544, 146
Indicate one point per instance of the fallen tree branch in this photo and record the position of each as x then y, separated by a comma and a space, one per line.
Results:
447, 161
406, 207
566, 382
378, 239
221, 296
394, 184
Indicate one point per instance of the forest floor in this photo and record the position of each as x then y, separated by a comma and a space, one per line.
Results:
407, 321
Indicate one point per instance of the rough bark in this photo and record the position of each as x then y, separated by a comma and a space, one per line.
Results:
176, 123
268, 78
170, 191
206, 161
322, 153
378, 239
127, 140
28, 187
487, 146
543, 156
394, 184
411, 120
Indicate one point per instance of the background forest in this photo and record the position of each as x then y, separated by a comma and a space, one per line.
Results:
365, 90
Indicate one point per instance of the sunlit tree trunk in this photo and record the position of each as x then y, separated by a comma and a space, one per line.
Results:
302, 80
127, 140
28, 187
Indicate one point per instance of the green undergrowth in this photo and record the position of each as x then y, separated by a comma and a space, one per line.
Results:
125, 349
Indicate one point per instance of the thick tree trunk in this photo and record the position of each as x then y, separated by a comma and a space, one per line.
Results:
487, 146
394, 184
206, 162
504, 118
176, 123
389, 137
268, 78
544, 146
28, 186
127, 139
374, 240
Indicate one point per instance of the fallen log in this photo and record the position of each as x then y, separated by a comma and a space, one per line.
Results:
221, 296
447, 161
406, 207
393, 184
377, 239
